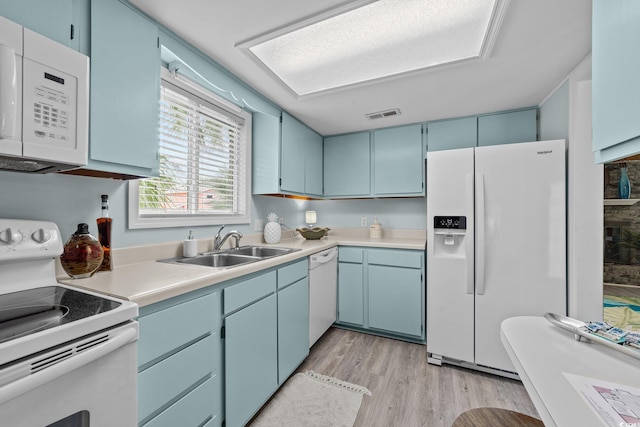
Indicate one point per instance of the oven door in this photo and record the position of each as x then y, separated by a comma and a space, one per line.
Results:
93, 385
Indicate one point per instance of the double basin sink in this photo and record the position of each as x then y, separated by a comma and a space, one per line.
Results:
232, 257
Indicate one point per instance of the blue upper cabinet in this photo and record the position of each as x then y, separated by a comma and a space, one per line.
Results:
52, 19
287, 156
125, 91
490, 129
347, 163
314, 161
507, 128
450, 134
301, 168
398, 166
616, 61
265, 153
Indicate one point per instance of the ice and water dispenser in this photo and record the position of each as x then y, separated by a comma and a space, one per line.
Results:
450, 236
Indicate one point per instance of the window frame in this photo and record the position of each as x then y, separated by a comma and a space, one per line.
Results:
186, 220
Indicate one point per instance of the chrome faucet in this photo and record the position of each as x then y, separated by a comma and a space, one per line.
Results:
218, 241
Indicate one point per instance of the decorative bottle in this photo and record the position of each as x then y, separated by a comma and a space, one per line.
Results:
624, 186
82, 254
272, 229
104, 235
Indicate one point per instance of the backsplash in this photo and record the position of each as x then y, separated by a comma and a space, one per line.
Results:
621, 264
68, 200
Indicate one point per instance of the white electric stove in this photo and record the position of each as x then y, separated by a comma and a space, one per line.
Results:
67, 356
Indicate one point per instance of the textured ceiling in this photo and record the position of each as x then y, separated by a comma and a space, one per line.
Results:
539, 43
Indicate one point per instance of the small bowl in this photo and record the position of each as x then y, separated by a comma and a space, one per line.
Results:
314, 233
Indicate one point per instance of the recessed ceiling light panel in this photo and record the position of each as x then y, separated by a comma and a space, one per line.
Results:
378, 40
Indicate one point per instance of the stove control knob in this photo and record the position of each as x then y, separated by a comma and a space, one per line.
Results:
9, 236
41, 236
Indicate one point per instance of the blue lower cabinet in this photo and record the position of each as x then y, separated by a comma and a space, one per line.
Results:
251, 360
381, 291
179, 359
191, 410
266, 337
395, 299
293, 327
350, 293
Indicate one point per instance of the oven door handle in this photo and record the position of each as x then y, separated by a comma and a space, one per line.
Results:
23, 385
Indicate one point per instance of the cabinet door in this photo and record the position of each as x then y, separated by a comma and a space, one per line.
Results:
616, 31
301, 163
293, 327
350, 293
125, 88
398, 161
347, 160
395, 299
265, 159
313, 165
451, 134
293, 154
507, 128
52, 19
251, 360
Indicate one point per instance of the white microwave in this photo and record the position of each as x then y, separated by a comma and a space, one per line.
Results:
44, 102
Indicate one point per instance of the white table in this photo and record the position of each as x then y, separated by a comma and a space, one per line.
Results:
542, 353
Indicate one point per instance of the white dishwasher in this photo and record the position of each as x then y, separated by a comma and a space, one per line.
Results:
323, 282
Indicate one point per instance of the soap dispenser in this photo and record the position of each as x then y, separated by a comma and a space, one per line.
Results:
375, 231
189, 246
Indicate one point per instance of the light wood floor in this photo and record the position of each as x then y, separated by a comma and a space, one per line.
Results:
406, 390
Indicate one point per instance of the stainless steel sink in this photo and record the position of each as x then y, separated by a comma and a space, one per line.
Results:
260, 251
232, 257
217, 260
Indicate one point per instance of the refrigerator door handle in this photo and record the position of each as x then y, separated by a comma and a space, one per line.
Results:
480, 224
469, 248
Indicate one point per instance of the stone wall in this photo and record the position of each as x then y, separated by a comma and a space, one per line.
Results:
621, 264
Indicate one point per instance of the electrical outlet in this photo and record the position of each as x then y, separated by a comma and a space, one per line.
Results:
280, 220
258, 225
363, 221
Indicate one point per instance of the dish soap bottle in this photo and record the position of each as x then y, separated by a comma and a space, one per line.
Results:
82, 254
104, 235
375, 231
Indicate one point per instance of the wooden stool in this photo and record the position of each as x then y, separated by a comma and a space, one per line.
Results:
495, 417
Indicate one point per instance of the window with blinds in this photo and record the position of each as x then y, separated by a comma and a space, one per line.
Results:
204, 159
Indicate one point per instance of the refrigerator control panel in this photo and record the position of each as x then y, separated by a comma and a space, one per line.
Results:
450, 222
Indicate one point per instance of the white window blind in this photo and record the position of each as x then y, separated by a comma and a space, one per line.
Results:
204, 156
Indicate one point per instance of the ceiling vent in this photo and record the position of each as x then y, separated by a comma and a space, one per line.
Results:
383, 114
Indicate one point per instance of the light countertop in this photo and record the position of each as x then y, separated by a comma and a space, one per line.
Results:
138, 277
547, 358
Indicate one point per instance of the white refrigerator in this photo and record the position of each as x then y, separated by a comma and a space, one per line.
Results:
496, 246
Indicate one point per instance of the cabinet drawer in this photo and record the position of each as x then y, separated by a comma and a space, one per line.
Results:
346, 254
292, 273
248, 291
166, 380
164, 331
396, 258
192, 410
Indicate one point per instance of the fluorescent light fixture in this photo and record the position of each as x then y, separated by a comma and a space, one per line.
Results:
367, 41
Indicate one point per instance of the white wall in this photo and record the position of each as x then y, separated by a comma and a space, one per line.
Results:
567, 114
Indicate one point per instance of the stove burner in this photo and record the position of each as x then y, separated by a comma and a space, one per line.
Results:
26, 312
39, 318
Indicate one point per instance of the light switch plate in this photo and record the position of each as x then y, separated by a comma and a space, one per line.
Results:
258, 225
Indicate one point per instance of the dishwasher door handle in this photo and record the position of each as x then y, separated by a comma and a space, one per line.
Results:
324, 257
